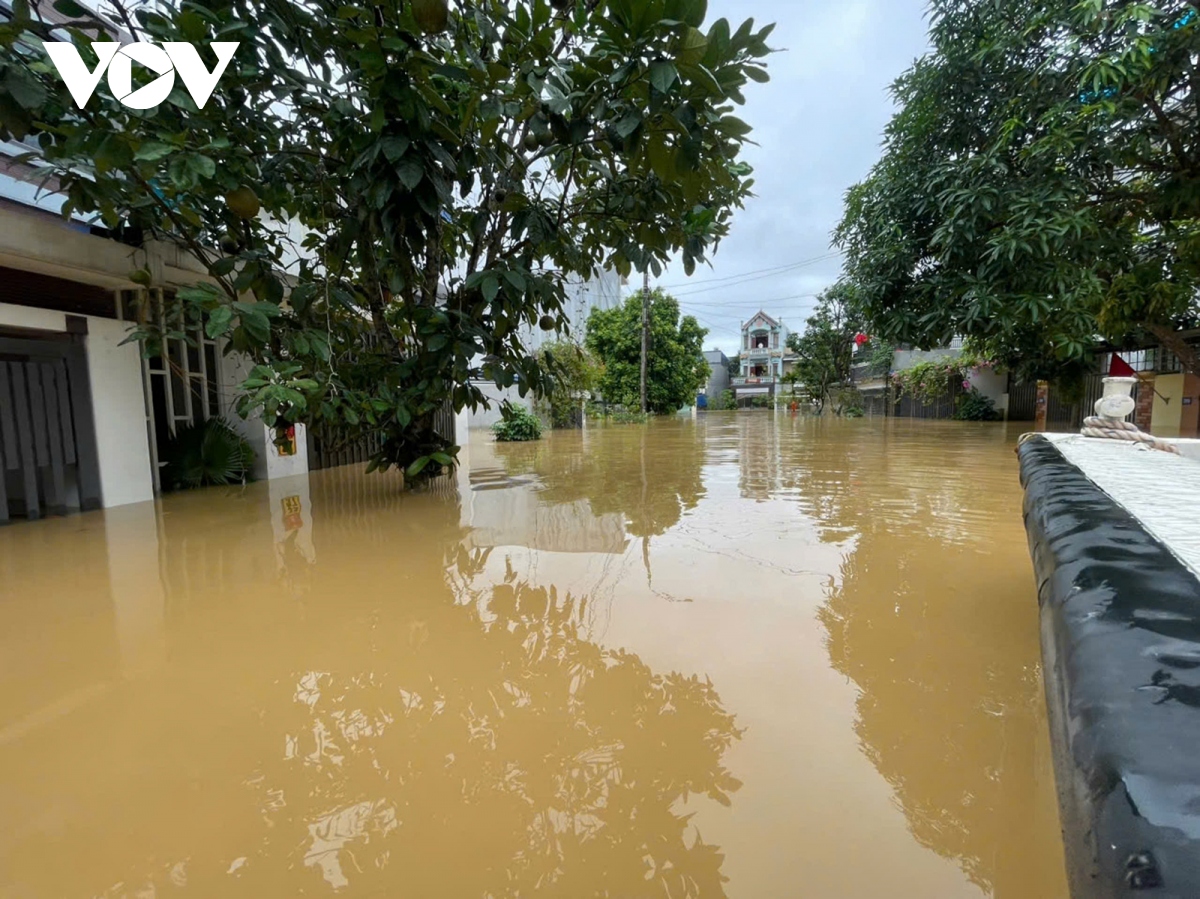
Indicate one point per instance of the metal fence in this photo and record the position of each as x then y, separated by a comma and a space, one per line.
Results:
884, 402
1022, 402
942, 407
325, 451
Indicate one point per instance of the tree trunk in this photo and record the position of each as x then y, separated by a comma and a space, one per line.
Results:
1174, 342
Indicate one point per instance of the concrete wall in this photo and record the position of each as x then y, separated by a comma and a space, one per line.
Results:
118, 404
120, 410
277, 466
601, 292
1166, 416
992, 385
604, 291
718, 379
268, 464
1189, 418
234, 370
485, 418
1176, 409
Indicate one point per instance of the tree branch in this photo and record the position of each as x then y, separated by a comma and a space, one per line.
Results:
1170, 131
1173, 341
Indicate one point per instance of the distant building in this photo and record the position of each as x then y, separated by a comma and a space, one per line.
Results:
764, 357
604, 291
718, 378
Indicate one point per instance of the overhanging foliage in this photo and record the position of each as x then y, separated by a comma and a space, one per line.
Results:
384, 194
1040, 184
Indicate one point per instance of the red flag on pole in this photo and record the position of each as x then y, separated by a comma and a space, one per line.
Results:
1119, 368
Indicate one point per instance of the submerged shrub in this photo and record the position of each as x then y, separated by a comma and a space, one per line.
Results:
974, 406
518, 425
623, 416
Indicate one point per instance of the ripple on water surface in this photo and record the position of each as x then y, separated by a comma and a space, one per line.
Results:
744, 655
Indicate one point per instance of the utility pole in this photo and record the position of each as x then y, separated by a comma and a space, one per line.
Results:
645, 333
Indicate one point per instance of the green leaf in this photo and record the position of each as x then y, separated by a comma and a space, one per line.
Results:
153, 150
180, 173
692, 47
218, 322
394, 147
223, 266
627, 125
410, 172
663, 75
202, 165
14, 117
257, 326
662, 157
24, 88
192, 26
490, 286
734, 126
71, 9
301, 296
418, 466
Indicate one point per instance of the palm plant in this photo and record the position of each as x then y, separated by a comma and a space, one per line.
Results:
206, 454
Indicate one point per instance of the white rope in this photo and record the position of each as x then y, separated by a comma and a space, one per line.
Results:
1116, 429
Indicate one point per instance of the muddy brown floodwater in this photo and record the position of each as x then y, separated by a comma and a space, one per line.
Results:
742, 655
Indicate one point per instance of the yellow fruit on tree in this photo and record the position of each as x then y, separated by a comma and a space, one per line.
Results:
243, 202
432, 15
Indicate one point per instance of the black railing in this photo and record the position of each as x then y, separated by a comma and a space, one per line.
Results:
325, 451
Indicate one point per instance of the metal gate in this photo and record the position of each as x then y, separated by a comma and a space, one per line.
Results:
48, 461
324, 451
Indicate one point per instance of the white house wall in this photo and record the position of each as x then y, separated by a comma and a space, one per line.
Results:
119, 406
992, 385
485, 418
601, 292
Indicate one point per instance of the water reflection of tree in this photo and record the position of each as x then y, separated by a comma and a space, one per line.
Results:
650, 474
461, 745
501, 757
923, 619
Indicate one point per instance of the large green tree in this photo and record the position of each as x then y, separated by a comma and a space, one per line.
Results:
676, 368
382, 194
1040, 184
825, 350
573, 372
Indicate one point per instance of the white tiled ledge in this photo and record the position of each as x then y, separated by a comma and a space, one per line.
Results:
1159, 489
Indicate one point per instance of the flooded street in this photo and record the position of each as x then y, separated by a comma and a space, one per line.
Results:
745, 655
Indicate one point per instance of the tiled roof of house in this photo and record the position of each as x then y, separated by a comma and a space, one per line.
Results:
762, 315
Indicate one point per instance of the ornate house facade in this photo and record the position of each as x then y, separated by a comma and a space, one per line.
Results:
763, 355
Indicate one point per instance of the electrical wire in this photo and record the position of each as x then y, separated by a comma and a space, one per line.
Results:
747, 280
775, 268
742, 304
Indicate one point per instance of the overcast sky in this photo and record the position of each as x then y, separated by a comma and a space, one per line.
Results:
818, 123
